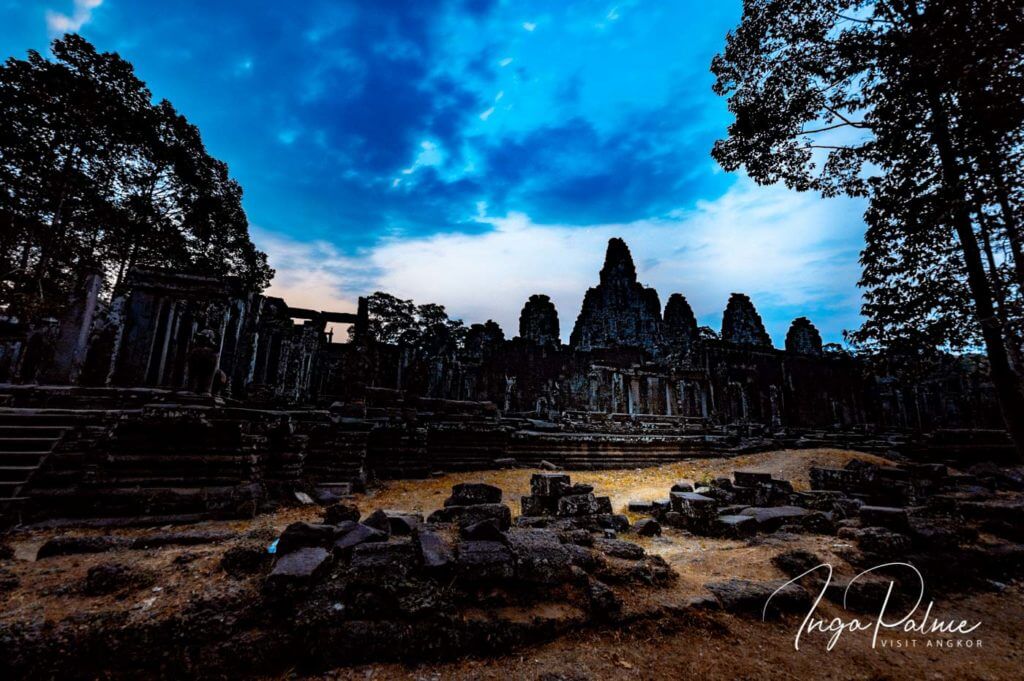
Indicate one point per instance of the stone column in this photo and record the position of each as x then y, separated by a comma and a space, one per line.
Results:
72, 342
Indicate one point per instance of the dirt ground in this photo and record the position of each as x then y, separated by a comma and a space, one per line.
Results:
705, 645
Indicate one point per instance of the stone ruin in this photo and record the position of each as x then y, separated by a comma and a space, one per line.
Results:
961, 530
619, 311
255, 399
354, 587
803, 338
538, 322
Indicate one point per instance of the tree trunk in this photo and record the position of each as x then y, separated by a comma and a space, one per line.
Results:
1006, 381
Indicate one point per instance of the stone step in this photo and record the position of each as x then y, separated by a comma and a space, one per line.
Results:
191, 461
29, 417
27, 444
54, 432
21, 458
18, 474
8, 488
176, 482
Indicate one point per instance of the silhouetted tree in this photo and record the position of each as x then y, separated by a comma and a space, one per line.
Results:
93, 173
425, 328
919, 106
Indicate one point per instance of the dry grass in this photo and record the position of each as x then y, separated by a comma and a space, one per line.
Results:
715, 646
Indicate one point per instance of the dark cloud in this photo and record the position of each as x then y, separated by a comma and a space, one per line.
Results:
320, 106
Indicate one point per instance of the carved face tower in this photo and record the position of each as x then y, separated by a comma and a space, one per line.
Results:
619, 312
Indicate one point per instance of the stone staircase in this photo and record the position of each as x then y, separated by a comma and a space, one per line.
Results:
27, 439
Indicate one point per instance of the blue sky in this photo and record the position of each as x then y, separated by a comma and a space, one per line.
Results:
472, 152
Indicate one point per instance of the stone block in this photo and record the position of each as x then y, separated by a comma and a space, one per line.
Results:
403, 523
469, 493
298, 568
538, 506
336, 513
540, 557
378, 520
647, 527
549, 484
734, 526
355, 535
772, 518
382, 562
435, 550
619, 548
577, 505
885, 516
751, 478
302, 535
467, 515
483, 530
484, 561
639, 506
745, 596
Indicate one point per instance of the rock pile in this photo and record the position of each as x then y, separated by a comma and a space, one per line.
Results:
919, 514
393, 582
556, 503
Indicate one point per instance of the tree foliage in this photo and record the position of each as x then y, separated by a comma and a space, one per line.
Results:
93, 173
425, 328
917, 105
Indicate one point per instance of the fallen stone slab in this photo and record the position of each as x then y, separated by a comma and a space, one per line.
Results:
436, 552
879, 541
770, 598
355, 534
639, 506
734, 526
71, 545
297, 568
692, 504
484, 561
772, 518
751, 478
797, 562
301, 535
469, 493
484, 530
619, 548
336, 513
378, 520
647, 527
403, 523
540, 557
603, 602
889, 517
382, 562
467, 515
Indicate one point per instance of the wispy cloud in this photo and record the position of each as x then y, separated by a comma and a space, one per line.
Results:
59, 23
791, 252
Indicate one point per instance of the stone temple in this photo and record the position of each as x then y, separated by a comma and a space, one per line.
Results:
187, 394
